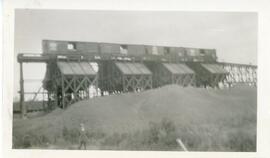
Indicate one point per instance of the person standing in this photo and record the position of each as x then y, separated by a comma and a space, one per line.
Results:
83, 137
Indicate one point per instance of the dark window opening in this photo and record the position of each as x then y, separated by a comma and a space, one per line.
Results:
202, 52
166, 50
146, 50
123, 49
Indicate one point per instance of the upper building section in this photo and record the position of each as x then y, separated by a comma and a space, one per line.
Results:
181, 53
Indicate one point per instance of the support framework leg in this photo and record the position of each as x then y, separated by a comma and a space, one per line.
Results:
22, 104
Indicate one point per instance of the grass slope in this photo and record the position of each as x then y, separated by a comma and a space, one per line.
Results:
205, 119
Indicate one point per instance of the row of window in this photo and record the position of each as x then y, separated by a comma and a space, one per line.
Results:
124, 49
70, 46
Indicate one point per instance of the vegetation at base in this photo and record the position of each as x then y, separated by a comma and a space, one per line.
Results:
157, 136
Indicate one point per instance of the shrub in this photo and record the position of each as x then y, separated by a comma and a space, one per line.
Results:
95, 134
71, 135
158, 136
30, 140
241, 141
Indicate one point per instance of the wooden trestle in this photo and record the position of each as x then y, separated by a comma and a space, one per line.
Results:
68, 78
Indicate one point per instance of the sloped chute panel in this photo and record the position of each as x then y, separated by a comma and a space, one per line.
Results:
178, 68
133, 68
214, 68
76, 68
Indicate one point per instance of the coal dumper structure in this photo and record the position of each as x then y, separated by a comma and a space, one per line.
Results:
73, 68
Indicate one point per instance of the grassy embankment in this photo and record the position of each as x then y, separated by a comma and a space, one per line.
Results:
205, 120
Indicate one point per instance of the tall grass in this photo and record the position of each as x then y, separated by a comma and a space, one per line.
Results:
157, 136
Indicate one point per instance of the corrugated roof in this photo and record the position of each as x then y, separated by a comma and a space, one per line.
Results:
76, 68
142, 68
133, 68
214, 68
178, 68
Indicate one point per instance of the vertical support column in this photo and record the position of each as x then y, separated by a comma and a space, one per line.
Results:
87, 93
43, 100
56, 96
22, 105
63, 91
124, 83
49, 104
96, 83
101, 77
74, 80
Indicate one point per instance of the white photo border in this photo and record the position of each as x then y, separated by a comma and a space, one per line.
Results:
263, 117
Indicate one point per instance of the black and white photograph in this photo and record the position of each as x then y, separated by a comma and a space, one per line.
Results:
135, 80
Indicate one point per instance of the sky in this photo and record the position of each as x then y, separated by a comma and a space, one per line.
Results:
232, 34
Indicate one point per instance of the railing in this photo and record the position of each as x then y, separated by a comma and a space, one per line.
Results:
240, 73
46, 57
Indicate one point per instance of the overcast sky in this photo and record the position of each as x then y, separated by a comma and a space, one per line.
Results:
232, 34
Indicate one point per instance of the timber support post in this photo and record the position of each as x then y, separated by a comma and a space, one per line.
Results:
22, 104
125, 68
